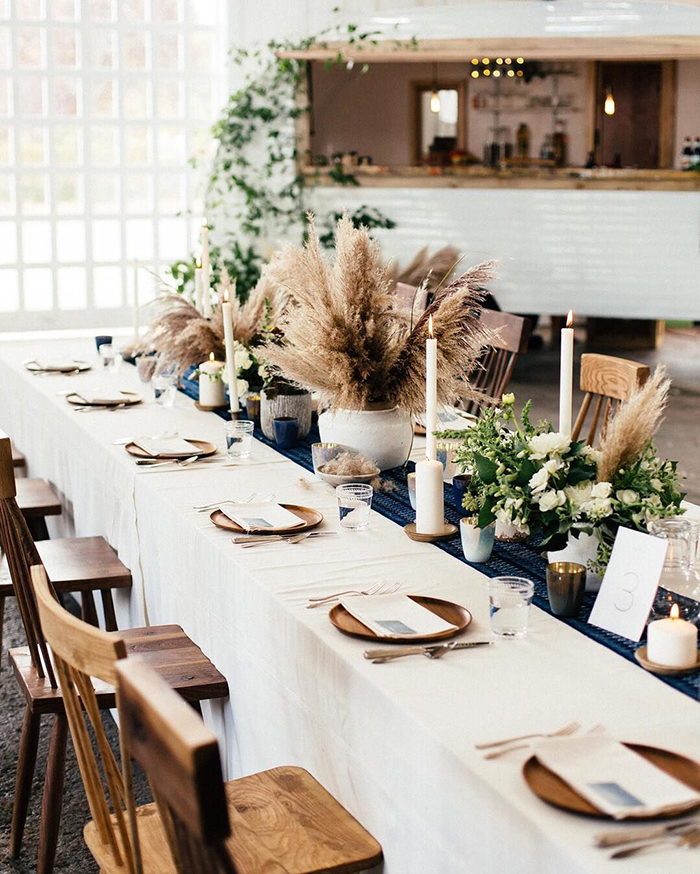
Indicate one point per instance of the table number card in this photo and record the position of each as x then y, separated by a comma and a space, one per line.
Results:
630, 583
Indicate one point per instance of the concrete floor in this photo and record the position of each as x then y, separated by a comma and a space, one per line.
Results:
536, 376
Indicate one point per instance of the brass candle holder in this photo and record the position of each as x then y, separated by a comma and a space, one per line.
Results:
566, 586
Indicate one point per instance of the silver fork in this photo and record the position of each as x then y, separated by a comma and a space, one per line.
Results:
201, 508
376, 589
511, 749
572, 726
688, 840
180, 462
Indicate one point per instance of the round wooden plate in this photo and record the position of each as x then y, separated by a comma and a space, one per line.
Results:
447, 610
311, 518
204, 449
641, 656
448, 532
552, 789
127, 397
81, 366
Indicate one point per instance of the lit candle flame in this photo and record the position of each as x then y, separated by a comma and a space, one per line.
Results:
198, 263
570, 319
205, 224
675, 612
430, 325
211, 356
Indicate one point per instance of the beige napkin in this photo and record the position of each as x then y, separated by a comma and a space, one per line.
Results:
395, 616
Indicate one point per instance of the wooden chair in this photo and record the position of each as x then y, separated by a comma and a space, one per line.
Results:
511, 335
85, 565
610, 381
18, 460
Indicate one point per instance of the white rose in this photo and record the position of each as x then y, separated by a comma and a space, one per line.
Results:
591, 454
542, 445
627, 496
553, 465
551, 500
601, 490
580, 493
242, 387
242, 359
538, 481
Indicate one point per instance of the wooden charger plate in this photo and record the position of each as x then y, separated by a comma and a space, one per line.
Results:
81, 366
552, 789
127, 397
310, 517
447, 610
204, 449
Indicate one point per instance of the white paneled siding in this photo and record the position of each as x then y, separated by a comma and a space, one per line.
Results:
606, 253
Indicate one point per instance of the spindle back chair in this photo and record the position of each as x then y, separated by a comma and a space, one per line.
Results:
510, 337
609, 381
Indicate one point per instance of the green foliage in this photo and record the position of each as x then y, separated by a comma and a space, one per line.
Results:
364, 216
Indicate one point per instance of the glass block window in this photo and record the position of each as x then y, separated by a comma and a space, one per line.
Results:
102, 103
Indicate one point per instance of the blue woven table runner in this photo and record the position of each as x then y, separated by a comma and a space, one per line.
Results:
518, 559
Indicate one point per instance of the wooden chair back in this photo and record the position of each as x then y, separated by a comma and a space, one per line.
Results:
412, 300
609, 381
21, 553
80, 652
181, 758
491, 378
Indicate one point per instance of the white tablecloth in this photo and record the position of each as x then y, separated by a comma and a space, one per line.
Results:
393, 742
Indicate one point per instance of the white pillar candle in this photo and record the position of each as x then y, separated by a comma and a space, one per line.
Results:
198, 286
206, 277
566, 376
211, 385
430, 511
430, 392
672, 642
230, 355
137, 315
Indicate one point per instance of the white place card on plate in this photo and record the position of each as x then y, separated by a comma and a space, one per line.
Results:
164, 447
630, 583
261, 516
395, 616
613, 778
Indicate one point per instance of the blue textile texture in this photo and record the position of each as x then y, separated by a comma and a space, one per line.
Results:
517, 559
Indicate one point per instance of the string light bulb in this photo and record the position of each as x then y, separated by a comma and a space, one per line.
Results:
609, 107
475, 74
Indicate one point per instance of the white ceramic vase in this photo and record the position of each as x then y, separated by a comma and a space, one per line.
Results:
384, 435
510, 533
581, 550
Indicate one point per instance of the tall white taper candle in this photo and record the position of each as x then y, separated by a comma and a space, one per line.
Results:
206, 277
566, 376
430, 510
430, 392
230, 355
198, 286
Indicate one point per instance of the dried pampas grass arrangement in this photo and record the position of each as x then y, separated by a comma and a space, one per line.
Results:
182, 337
633, 426
422, 268
345, 338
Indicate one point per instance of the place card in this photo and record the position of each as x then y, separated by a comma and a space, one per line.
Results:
615, 779
261, 515
632, 577
395, 616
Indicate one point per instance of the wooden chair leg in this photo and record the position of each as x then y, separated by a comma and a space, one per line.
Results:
89, 610
37, 526
2, 626
108, 607
53, 795
26, 762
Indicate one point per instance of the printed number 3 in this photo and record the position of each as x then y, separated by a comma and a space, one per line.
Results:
624, 600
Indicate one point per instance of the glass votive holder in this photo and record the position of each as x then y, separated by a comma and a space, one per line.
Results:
165, 389
110, 356
286, 431
477, 543
509, 606
239, 438
354, 505
145, 366
322, 453
411, 484
102, 339
444, 452
460, 483
252, 406
566, 586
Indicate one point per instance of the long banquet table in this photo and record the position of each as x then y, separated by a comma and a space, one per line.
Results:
393, 742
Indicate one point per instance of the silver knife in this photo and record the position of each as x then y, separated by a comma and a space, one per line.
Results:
618, 839
270, 538
385, 655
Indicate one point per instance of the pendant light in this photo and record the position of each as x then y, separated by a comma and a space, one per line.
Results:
609, 107
435, 96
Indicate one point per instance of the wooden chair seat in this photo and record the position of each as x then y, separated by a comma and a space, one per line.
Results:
282, 820
166, 649
18, 460
35, 498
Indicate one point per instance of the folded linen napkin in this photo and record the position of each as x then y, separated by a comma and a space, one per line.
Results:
101, 396
614, 778
261, 515
166, 447
58, 364
395, 616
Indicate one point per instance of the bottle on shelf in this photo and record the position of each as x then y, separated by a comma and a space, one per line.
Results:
547, 149
523, 139
560, 143
686, 154
695, 157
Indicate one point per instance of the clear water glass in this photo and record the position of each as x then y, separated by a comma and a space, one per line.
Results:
679, 576
111, 357
509, 606
165, 389
354, 505
239, 438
